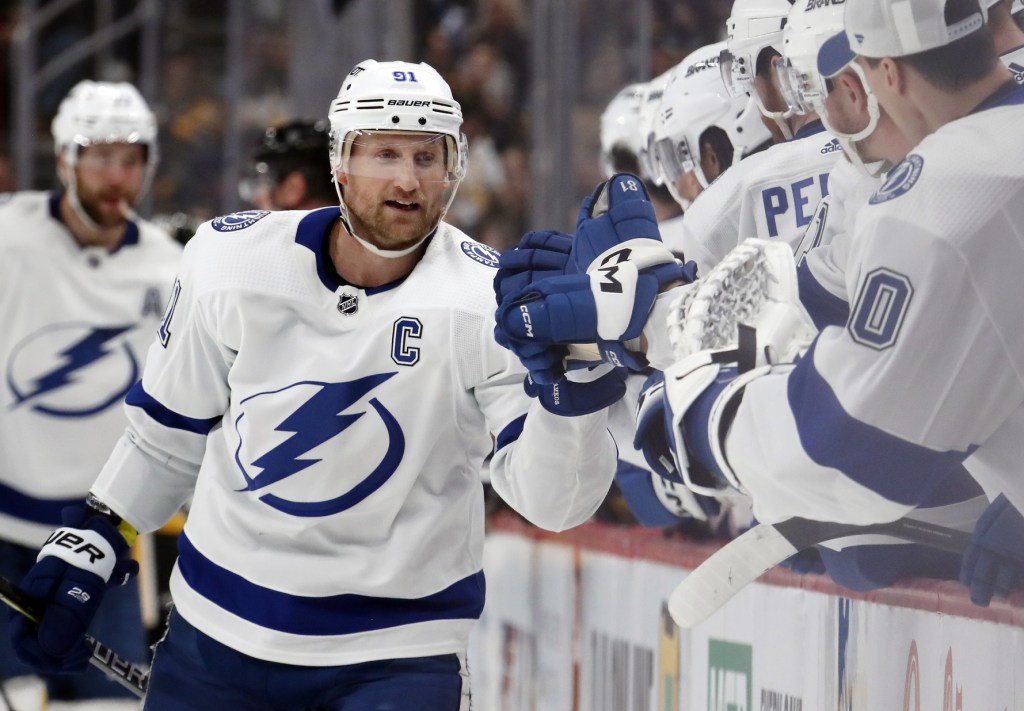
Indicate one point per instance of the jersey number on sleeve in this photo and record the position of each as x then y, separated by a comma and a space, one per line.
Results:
880, 309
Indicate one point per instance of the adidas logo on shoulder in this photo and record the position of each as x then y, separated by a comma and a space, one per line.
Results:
831, 147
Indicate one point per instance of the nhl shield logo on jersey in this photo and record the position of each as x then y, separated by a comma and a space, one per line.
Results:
487, 256
72, 369
901, 179
348, 304
238, 220
325, 426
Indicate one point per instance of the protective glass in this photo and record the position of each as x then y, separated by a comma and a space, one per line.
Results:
424, 168
675, 158
101, 158
801, 91
737, 77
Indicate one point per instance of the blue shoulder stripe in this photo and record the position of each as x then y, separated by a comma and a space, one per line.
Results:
138, 397
824, 308
328, 615
898, 470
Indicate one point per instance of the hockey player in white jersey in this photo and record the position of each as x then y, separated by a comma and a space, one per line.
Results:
700, 130
858, 429
85, 281
328, 384
924, 378
771, 194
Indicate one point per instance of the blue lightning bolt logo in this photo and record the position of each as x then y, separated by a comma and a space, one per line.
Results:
86, 351
317, 420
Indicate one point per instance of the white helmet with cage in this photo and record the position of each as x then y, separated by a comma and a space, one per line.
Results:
694, 100
619, 127
99, 112
396, 97
753, 26
803, 86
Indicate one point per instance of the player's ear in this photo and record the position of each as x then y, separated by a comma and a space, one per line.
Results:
895, 74
341, 177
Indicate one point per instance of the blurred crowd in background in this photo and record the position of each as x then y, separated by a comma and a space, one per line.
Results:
481, 47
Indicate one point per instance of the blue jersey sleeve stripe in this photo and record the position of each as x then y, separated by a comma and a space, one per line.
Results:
510, 434
138, 397
894, 468
824, 308
328, 615
29, 508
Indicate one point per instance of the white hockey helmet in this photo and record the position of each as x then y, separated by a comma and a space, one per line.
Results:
96, 112
396, 97
649, 103
753, 26
619, 127
1017, 7
694, 100
809, 26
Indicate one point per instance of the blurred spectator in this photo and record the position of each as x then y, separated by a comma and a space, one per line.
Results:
291, 168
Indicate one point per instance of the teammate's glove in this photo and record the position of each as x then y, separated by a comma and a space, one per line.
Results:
79, 561
580, 392
538, 255
679, 422
618, 266
994, 562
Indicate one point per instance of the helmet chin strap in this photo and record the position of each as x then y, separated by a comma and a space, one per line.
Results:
386, 253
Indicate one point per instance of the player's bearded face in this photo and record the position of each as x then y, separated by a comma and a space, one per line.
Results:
108, 177
396, 187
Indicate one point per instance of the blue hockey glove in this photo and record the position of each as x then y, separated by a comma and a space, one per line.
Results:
994, 562
573, 308
79, 561
580, 392
654, 436
539, 254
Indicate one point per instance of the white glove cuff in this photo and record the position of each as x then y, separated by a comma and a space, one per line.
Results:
657, 330
83, 549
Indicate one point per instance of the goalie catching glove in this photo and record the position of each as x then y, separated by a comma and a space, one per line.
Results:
740, 322
617, 266
76, 565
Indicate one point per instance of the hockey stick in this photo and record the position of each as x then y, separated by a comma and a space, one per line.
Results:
131, 676
743, 559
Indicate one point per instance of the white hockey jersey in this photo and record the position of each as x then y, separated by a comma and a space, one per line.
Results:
928, 373
824, 249
771, 195
76, 326
334, 437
